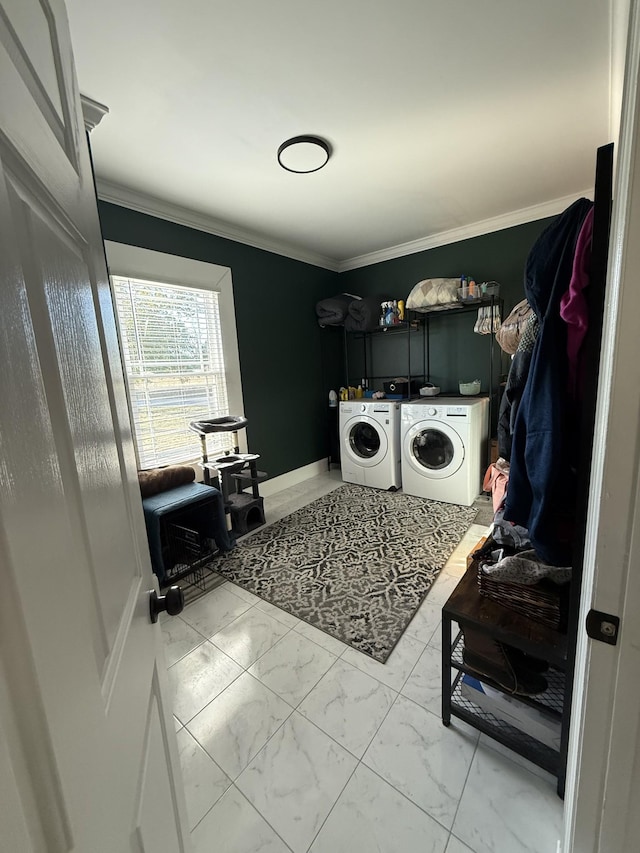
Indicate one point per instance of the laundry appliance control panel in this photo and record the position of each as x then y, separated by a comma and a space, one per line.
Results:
445, 412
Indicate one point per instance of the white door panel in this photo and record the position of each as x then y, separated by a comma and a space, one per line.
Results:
154, 831
34, 27
87, 743
48, 145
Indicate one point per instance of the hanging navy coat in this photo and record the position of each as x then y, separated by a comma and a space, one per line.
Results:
541, 494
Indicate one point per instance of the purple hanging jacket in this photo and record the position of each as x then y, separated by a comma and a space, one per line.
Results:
573, 306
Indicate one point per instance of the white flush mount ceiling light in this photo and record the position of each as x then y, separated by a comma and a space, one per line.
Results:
302, 154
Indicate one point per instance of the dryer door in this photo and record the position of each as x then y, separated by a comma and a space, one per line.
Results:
433, 449
364, 441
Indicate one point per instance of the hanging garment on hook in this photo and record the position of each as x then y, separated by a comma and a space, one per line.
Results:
496, 321
542, 485
478, 325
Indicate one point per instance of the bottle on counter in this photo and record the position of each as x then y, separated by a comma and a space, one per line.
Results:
401, 309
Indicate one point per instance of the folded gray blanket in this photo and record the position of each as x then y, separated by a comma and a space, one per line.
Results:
364, 314
332, 311
525, 568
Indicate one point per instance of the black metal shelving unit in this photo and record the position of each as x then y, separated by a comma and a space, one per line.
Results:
404, 328
419, 323
517, 741
416, 322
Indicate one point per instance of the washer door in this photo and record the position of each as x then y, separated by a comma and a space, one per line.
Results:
364, 441
433, 449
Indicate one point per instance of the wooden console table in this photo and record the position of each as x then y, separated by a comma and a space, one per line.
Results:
467, 606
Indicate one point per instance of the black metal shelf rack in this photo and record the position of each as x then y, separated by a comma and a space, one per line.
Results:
416, 322
517, 741
419, 323
549, 702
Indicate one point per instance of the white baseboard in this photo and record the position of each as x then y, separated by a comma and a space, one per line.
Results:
292, 478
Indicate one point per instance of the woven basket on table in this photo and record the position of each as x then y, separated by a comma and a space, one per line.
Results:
542, 602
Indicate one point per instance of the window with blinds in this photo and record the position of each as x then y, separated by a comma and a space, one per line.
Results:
172, 351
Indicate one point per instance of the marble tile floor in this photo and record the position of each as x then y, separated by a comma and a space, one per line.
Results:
290, 741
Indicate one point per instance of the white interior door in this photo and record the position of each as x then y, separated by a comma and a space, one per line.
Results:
87, 744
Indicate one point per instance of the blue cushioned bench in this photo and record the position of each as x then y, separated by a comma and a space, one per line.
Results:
199, 507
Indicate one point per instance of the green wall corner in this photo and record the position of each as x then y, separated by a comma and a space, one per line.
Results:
288, 363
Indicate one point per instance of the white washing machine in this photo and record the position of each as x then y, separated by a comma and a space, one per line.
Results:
444, 448
370, 443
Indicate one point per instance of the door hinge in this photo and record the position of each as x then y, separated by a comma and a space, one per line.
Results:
603, 626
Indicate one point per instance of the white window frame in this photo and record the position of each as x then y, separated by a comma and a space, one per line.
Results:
134, 262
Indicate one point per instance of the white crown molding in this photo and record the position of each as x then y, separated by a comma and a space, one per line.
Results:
92, 112
465, 232
117, 194
143, 203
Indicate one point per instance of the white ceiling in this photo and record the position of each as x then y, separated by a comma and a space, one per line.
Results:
441, 113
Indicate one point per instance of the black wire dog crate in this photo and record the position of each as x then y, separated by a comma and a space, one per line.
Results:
186, 529
186, 551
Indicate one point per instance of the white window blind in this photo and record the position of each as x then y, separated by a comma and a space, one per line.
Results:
172, 351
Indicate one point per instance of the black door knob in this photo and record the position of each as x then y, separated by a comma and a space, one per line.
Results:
172, 602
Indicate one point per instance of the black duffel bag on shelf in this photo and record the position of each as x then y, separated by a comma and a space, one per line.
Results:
403, 387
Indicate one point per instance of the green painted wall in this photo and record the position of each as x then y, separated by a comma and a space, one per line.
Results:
288, 363
278, 335
456, 352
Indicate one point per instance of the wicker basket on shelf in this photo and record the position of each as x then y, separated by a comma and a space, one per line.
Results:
543, 602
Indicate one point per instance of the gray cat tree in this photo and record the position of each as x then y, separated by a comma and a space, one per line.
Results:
235, 474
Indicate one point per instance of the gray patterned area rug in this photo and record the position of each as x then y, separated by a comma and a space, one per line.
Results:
356, 563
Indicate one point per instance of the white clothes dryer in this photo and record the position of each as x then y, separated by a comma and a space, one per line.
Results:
444, 448
370, 443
